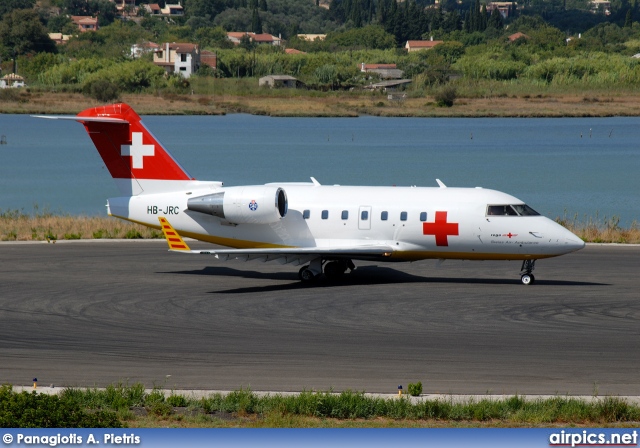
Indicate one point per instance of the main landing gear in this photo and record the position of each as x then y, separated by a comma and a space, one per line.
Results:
527, 277
333, 270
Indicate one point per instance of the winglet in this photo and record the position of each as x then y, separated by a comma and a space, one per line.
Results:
442, 185
174, 240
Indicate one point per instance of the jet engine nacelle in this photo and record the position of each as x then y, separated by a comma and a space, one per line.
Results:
260, 204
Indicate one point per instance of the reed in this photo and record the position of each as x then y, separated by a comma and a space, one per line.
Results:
244, 407
42, 225
601, 229
483, 98
16, 225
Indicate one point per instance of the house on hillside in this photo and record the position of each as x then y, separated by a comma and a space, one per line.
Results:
267, 39
504, 8
276, 81
11, 81
209, 58
385, 71
85, 23
153, 9
264, 38
236, 36
417, 45
59, 38
137, 50
172, 10
515, 36
311, 37
183, 58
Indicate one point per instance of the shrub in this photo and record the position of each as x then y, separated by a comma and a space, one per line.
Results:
102, 90
415, 389
133, 234
32, 410
446, 96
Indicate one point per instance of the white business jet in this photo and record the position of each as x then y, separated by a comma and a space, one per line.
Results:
323, 228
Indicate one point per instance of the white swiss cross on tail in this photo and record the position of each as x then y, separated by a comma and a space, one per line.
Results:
137, 150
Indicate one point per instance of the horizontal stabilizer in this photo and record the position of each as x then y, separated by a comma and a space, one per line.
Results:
77, 118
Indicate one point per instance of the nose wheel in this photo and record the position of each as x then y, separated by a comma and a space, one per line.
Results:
527, 277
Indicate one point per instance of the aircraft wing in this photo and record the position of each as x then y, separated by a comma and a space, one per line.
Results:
296, 255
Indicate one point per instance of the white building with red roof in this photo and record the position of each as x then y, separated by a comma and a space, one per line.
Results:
183, 58
417, 45
85, 23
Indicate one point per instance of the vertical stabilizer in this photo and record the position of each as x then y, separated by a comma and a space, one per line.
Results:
134, 157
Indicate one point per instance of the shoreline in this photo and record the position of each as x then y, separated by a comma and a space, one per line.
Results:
344, 104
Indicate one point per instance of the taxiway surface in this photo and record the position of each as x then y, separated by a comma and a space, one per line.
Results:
95, 313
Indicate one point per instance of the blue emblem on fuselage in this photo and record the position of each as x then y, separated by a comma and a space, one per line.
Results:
253, 205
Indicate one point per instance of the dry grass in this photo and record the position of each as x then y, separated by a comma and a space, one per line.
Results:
605, 230
309, 103
18, 226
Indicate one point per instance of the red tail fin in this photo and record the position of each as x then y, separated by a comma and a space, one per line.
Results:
127, 148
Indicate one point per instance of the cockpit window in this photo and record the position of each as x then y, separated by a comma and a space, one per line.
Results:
511, 210
525, 210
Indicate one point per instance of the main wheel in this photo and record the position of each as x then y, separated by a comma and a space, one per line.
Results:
527, 279
306, 274
334, 270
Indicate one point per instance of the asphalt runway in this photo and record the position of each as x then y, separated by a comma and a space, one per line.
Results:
95, 313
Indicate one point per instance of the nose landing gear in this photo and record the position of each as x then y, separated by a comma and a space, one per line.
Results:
527, 277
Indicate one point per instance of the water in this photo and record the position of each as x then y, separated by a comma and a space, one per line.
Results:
584, 166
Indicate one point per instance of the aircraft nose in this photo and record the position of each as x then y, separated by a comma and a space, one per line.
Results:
574, 243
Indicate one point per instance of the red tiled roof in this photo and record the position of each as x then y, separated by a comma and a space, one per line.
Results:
264, 38
181, 47
378, 66
239, 34
423, 43
517, 36
87, 20
293, 51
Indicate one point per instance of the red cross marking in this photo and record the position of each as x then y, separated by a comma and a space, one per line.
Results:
440, 228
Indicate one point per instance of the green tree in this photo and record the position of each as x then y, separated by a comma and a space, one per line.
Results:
372, 36
61, 24
628, 20
495, 20
6, 6
256, 23
105, 10
21, 33
204, 8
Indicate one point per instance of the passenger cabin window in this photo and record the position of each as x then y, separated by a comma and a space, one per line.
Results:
364, 216
403, 216
511, 210
423, 216
345, 214
384, 216
325, 214
306, 214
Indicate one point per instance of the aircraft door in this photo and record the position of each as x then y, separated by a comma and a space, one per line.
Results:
364, 218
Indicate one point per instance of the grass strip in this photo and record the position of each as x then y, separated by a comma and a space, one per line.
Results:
16, 225
136, 406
